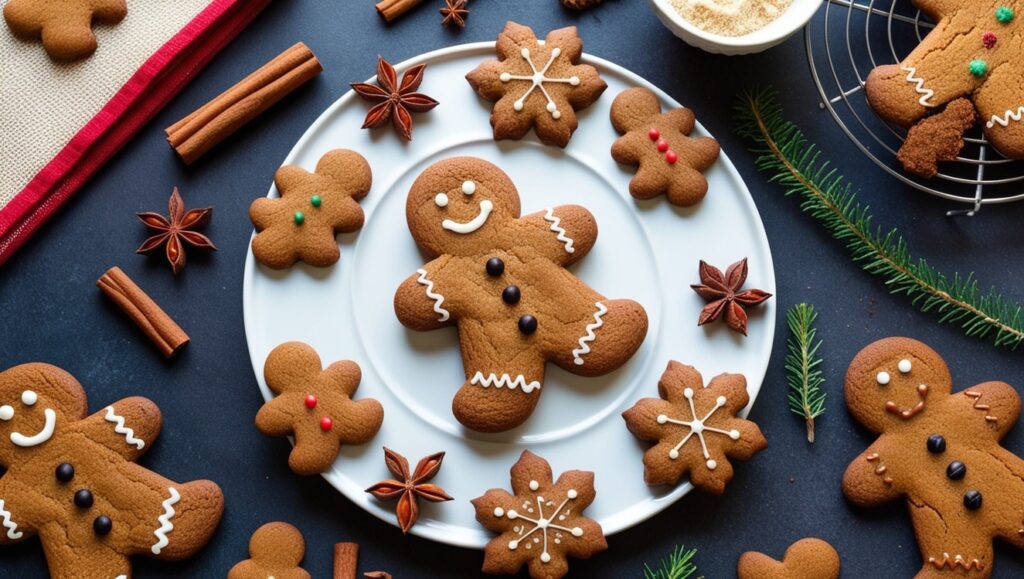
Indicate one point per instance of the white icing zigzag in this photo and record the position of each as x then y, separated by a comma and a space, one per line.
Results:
549, 215
1004, 120
438, 298
165, 521
925, 93
505, 381
120, 428
12, 527
584, 348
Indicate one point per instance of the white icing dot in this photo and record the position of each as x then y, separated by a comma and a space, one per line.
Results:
505, 77
673, 454
544, 558
499, 512
556, 51
29, 397
712, 465
577, 532
525, 52
574, 80
534, 485
662, 419
468, 187
513, 544
734, 434
518, 105
905, 366
441, 200
572, 493
883, 378
512, 515
551, 107
6, 413
556, 115
720, 400
688, 392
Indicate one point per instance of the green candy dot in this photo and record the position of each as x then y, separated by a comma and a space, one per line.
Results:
300, 218
315, 200
979, 67
1004, 14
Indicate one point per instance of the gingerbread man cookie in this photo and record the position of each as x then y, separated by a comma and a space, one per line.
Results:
975, 50
669, 160
275, 550
940, 451
541, 523
315, 404
537, 85
72, 479
312, 209
695, 427
64, 26
502, 279
805, 559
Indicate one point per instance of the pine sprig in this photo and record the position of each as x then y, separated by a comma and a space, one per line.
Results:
678, 565
806, 398
795, 164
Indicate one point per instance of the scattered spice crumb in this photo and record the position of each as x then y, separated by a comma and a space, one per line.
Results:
730, 17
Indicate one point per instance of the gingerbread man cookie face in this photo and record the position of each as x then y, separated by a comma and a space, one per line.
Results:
315, 404
501, 279
312, 210
669, 160
940, 451
72, 479
538, 85
64, 26
976, 50
805, 559
275, 550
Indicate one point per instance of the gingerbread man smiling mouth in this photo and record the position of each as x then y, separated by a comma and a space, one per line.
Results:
29, 398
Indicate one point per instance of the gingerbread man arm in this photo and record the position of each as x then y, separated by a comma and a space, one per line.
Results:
564, 234
15, 525
995, 403
863, 484
419, 304
626, 149
127, 427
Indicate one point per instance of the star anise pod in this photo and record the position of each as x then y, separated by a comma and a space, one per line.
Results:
409, 488
394, 101
722, 292
454, 12
175, 230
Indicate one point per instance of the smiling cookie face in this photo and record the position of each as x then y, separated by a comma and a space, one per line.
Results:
456, 202
34, 400
893, 381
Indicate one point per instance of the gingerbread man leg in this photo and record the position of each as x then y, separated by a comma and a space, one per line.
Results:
950, 547
609, 339
1001, 107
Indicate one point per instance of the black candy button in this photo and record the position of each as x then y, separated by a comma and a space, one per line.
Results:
495, 267
972, 500
102, 525
65, 472
527, 324
511, 295
936, 444
956, 470
83, 499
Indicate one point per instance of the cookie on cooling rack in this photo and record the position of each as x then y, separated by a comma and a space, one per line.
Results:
976, 50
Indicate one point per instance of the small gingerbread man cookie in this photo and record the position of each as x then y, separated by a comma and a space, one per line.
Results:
312, 210
315, 404
696, 428
502, 279
669, 160
541, 524
72, 479
940, 451
537, 85
805, 559
64, 26
275, 550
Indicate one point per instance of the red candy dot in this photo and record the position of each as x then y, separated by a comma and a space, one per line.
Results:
310, 401
326, 423
671, 157
989, 39
654, 134
662, 146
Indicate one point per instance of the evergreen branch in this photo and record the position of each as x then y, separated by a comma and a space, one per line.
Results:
796, 164
678, 565
806, 398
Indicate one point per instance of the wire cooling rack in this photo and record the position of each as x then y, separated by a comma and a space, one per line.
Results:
854, 37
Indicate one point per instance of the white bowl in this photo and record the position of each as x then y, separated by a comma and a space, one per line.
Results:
793, 19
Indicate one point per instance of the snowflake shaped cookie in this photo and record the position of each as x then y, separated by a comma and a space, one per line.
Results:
695, 427
541, 524
537, 84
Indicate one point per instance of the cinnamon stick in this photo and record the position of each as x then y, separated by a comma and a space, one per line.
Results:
346, 560
157, 325
197, 133
391, 9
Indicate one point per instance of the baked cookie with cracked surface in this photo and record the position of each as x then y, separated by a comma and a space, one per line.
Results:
502, 280
976, 50
72, 480
63, 26
939, 451
805, 559
537, 85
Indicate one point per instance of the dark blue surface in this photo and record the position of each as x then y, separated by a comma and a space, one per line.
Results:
50, 309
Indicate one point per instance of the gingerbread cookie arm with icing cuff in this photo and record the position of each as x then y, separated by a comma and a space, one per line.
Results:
1000, 103
128, 427
419, 303
567, 232
994, 404
867, 482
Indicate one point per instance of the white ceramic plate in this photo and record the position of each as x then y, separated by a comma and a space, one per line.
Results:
647, 251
